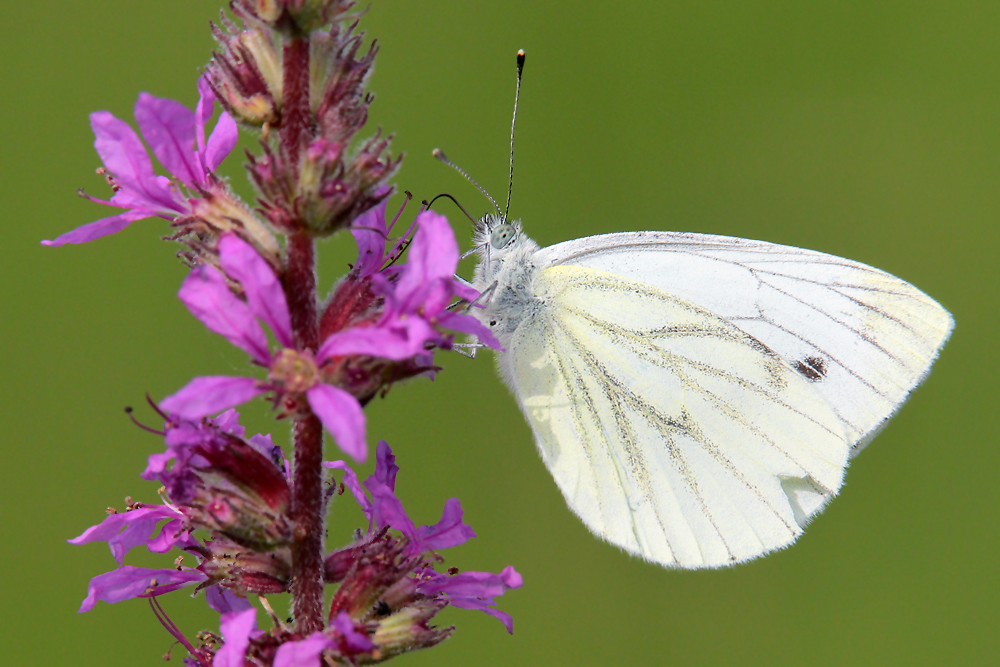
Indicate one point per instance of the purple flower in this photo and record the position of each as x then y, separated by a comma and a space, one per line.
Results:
474, 590
236, 629
176, 136
207, 295
128, 582
303, 653
221, 482
468, 590
125, 530
417, 294
351, 642
224, 601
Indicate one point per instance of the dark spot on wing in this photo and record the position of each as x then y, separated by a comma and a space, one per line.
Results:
813, 368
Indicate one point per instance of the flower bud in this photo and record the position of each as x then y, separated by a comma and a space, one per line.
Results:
246, 74
245, 571
300, 16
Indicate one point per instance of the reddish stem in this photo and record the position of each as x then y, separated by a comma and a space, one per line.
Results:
307, 547
295, 112
307, 489
300, 290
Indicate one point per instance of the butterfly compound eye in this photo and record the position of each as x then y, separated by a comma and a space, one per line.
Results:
502, 236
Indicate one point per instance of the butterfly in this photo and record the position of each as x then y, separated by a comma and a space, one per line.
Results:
697, 398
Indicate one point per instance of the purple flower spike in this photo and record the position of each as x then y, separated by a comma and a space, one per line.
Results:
128, 582
236, 628
170, 129
125, 530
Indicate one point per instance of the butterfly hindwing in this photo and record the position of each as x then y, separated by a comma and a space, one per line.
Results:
670, 431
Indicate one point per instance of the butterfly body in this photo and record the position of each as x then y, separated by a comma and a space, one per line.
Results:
697, 397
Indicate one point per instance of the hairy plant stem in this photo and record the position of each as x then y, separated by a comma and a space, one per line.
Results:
300, 289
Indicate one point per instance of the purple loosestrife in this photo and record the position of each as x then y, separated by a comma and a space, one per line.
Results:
413, 296
387, 588
247, 521
195, 200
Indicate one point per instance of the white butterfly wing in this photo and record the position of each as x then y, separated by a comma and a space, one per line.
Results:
863, 337
671, 432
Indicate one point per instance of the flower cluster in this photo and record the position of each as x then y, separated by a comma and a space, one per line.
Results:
198, 203
383, 322
312, 179
387, 588
254, 521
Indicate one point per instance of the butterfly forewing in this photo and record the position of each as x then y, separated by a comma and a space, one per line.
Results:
671, 432
862, 337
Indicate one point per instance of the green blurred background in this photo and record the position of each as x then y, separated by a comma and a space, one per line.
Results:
864, 129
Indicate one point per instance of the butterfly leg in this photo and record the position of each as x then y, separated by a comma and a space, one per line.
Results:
467, 349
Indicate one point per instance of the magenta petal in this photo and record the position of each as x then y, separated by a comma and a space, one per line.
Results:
225, 601
172, 534
350, 480
126, 158
264, 292
433, 254
203, 110
387, 510
385, 466
204, 396
236, 628
229, 422
354, 642
480, 605
304, 653
464, 291
221, 143
99, 228
125, 530
168, 128
370, 234
342, 416
474, 584
128, 582
450, 531
511, 577
470, 325
207, 295
395, 339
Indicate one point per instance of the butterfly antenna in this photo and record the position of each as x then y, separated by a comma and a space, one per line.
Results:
441, 156
430, 203
513, 122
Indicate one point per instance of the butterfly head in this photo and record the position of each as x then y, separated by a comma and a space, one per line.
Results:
496, 232
495, 241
